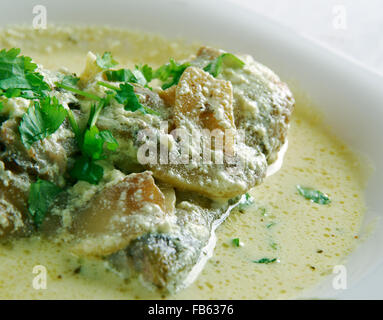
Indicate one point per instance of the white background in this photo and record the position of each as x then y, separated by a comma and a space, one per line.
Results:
354, 27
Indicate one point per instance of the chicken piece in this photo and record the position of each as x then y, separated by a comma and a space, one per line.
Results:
204, 101
203, 105
119, 213
170, 260
14, 190
46, 159
263, 104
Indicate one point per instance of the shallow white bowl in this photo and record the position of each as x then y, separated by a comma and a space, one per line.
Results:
350, 96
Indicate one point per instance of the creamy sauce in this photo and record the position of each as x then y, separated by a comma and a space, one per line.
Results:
307, 239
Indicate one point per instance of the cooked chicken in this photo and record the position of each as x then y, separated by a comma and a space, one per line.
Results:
124, 185
262, 102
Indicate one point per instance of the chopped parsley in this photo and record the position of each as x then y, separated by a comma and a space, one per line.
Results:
246, 202
2, 117
170, 73
42, 193
42, 119
215, 67
125, 95
86, 169
263, 211
92, 143
265, 260
236, 242
140, 75
18, 76
274, 245
121, 75
269, 225
106, 61
147, 72
313, 195
70, 80
69, 87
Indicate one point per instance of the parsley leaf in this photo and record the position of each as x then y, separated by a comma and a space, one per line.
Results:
18, 76
141, 75
2, 117
94, 141
236, 242
106, 61
121, 75
70, 80
274, 245
170, 73
86, 169
269, 225
215, 67
91, 142
41, 120
313, 195
147, 72
125, 95
41, 195
69, 87
245, 202
265, 260
110, 142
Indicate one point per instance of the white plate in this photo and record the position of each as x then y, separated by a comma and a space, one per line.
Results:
350, 95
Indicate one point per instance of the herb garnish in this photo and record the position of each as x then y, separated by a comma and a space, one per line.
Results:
125, 95
215, 67
94, 140
64, 85
121, 75
274, 245
70, 80
106, 61
249, 200
86, 169
41, 195
18, 76
92, 143
269, 225
236, 242
313, 195
170, 73
42, 119
147, 72
265, 260
140, 75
